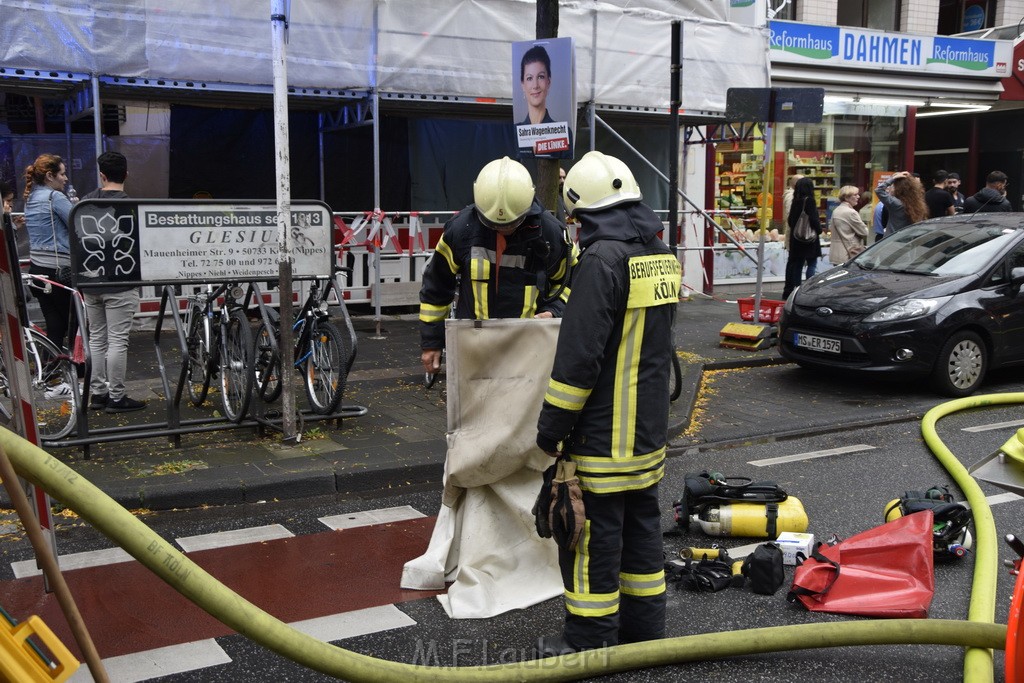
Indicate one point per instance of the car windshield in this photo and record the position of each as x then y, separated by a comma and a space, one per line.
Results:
930, 249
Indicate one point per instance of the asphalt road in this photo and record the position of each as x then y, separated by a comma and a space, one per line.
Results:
843, 493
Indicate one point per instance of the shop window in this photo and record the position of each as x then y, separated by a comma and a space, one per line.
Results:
782, 9
961, 16
883, 15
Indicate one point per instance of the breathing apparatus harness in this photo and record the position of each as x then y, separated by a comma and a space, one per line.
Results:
713, 488
539, 250
950, 537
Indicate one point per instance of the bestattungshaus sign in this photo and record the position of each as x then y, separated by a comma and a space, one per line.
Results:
808, 44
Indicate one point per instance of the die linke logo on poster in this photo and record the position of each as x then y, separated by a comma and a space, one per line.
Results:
551, 145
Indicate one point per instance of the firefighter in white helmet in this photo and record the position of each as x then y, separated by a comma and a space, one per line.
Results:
508, 257
606, 408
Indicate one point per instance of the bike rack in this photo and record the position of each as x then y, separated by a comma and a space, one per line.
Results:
258, 407
175, 426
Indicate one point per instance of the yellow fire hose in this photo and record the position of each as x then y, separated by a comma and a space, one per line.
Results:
977, 661
979, 634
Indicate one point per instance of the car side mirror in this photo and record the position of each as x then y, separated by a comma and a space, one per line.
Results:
1017, 277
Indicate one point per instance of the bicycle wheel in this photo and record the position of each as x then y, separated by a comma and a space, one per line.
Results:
236, 367
324, 367
197, 360
53, 378
268, 365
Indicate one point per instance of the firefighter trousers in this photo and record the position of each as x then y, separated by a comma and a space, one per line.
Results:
615, 578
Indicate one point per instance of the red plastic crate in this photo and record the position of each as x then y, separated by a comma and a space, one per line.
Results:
770, 311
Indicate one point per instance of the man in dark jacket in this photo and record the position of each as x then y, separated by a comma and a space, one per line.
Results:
990, 198
606, 409
506, 255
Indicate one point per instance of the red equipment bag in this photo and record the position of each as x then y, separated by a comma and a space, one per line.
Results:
887, 571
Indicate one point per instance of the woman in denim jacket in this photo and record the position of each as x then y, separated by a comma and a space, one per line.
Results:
46, 220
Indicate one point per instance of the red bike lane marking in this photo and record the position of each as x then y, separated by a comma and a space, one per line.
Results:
128, 609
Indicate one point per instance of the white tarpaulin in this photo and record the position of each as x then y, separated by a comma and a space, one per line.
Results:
485, 541
444, 47
743, 65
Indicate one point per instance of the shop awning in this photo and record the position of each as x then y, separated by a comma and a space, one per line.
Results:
888, 84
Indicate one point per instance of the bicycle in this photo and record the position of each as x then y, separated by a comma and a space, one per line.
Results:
53, 381
219, 343
322, 355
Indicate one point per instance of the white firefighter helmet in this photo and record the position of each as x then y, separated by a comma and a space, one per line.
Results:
503, 193
598, 181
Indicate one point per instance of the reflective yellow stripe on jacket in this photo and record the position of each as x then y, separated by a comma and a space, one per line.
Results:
627, 364
599, 474
566, 396
530, 296
445, 251
480, 274
429, 313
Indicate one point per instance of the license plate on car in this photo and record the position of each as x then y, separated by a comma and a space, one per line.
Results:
814, 343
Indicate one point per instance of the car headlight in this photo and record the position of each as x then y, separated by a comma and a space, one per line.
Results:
906, 309
788, 306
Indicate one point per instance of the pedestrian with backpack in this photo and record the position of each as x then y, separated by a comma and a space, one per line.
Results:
804, 233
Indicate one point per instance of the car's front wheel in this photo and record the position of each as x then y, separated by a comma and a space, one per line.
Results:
961, 365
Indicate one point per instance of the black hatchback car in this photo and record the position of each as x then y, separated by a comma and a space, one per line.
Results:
939, 299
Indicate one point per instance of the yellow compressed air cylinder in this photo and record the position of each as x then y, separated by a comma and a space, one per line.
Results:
893, 510
751, 519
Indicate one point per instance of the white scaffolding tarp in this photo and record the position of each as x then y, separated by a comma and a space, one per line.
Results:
451, 47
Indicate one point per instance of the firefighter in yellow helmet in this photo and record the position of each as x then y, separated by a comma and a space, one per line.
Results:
506, 255
606, 409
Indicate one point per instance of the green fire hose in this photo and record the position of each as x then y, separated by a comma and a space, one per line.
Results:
979, 634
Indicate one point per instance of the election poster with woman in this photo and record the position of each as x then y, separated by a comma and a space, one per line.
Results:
544, 104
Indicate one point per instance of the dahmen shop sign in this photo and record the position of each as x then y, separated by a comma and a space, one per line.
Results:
808, 44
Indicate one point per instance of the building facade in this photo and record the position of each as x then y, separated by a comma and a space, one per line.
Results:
901, 93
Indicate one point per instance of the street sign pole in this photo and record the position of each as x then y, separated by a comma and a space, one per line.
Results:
279, 36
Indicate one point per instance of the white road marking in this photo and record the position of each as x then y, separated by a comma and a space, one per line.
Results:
994, 425
741, 552
92, 558
224, 539
99, 558
163, 661
856, 448
357, 623
997, 498
383, 516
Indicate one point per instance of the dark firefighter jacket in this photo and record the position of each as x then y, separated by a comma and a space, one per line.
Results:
608, 396
533, 266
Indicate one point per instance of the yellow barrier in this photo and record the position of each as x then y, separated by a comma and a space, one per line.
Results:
21, 662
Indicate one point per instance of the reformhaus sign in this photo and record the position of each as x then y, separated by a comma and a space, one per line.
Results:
798, 43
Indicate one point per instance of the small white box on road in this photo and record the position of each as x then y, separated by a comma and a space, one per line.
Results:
793, 543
